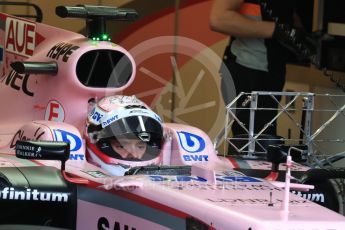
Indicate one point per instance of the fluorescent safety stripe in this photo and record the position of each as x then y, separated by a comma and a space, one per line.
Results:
250, 9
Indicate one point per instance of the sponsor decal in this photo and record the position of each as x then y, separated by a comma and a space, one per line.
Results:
28, 151
63, 135
200, 179
121, 213
76, 157
18, 82
110, 120
121, 113
221, 187
190, 142
54, 112
20, 136
20, 37
9, 193
177, 178
62, 51
196, 157
95, 116
103, 224
255, 201
315, 197
193, 144
237, 179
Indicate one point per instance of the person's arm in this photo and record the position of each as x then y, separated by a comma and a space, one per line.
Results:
224, 18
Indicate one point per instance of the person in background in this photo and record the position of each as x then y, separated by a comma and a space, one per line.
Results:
262, 33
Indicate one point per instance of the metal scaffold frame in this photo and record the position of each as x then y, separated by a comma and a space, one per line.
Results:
309, 135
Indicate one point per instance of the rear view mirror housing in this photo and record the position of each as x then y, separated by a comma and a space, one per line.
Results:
43, 150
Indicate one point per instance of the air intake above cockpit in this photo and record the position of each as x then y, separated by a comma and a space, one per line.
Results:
104, 69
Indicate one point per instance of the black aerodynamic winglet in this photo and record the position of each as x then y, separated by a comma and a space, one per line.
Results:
23, 67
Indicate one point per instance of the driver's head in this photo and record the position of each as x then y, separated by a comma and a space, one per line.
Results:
129, 148
122, 130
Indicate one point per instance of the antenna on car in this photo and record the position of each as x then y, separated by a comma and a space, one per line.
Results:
286, 200
96, 17
288, 177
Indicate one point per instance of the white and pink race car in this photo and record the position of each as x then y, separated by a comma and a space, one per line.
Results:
61, 98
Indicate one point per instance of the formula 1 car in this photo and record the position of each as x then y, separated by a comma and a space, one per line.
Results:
50, 77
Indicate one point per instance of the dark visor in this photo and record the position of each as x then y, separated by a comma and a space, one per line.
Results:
132, 125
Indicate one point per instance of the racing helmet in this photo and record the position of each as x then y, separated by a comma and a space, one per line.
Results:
123, 132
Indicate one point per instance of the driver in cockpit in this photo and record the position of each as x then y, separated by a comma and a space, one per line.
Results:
123, 132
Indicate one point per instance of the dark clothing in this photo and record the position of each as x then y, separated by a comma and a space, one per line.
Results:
248, 80
269, 77
277, 54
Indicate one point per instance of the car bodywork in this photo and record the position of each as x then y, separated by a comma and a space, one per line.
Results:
48, 77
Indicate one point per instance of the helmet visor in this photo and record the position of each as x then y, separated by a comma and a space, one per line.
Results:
135, 126
136, 138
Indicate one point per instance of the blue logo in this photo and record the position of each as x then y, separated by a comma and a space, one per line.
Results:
244, 179
195, 157
177, 178
96, 116
110, 120
72, 139
76, 157
191, 142
237, 179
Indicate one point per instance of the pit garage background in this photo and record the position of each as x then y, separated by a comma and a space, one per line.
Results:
178, 58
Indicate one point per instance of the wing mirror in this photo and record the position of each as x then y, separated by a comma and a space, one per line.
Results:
43, 150
48, 150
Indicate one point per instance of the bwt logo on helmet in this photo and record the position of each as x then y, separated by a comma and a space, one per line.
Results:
110, 120
72, 139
